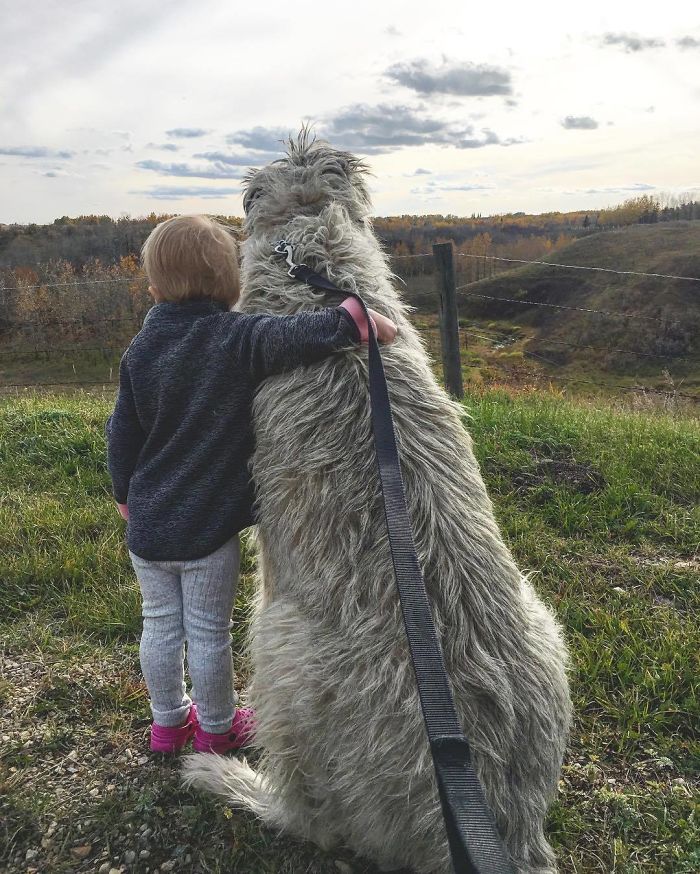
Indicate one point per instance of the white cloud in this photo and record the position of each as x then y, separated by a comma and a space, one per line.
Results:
631, 43
35, 152
162, 192
213, 170
186, 133
464, 79
383, 128
636, 188
579, 122
92, 89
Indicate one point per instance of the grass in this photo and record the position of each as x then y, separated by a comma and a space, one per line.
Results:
26, 369
600, 505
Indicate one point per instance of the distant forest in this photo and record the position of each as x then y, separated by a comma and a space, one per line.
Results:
81, 242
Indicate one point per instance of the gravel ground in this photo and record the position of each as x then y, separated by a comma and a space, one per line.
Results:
81, 792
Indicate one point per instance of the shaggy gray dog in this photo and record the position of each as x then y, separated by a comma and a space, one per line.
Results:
346, 759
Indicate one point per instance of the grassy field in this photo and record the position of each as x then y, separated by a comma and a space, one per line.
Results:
601, 505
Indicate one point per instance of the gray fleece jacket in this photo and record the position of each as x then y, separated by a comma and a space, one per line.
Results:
180, 438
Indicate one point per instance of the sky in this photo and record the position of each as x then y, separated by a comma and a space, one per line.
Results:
459, 108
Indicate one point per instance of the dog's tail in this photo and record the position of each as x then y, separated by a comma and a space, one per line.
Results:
233, 778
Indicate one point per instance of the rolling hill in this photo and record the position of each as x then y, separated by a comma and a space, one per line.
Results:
643, 326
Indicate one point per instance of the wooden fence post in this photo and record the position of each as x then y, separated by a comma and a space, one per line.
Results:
449, 322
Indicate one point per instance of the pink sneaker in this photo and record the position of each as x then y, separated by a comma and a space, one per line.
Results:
172, 740
241, 734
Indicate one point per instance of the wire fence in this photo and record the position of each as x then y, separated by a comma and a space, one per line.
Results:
555, 264
556, 306
84, 324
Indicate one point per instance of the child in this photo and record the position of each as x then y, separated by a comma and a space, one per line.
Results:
178, 446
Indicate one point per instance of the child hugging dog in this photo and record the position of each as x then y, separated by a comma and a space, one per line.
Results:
179, 443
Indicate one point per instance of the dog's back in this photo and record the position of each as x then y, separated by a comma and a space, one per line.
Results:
346, 756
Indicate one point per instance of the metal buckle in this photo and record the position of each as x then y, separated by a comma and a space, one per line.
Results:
282, 247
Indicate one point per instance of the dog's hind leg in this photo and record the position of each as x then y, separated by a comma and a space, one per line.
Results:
285, 692
539, 743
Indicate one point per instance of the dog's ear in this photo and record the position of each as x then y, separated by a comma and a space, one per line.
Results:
250, 195
252, 188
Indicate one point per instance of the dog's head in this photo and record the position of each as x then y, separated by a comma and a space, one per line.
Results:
315, 197
309, 177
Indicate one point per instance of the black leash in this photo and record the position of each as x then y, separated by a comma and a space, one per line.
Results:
475, 845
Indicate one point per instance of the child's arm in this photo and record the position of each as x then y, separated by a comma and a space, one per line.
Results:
125, 438
274, 344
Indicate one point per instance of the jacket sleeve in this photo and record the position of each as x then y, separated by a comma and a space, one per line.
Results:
125, 436
266, 345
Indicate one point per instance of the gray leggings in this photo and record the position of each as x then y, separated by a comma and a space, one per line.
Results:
189, 601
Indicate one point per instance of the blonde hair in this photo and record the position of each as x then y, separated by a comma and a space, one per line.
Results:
192, 256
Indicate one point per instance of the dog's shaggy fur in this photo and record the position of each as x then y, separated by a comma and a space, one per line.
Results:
346, 759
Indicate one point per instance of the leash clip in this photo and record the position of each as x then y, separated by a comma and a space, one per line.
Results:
282, 247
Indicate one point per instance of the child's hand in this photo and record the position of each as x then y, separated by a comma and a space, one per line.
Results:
384, 329
123, 511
